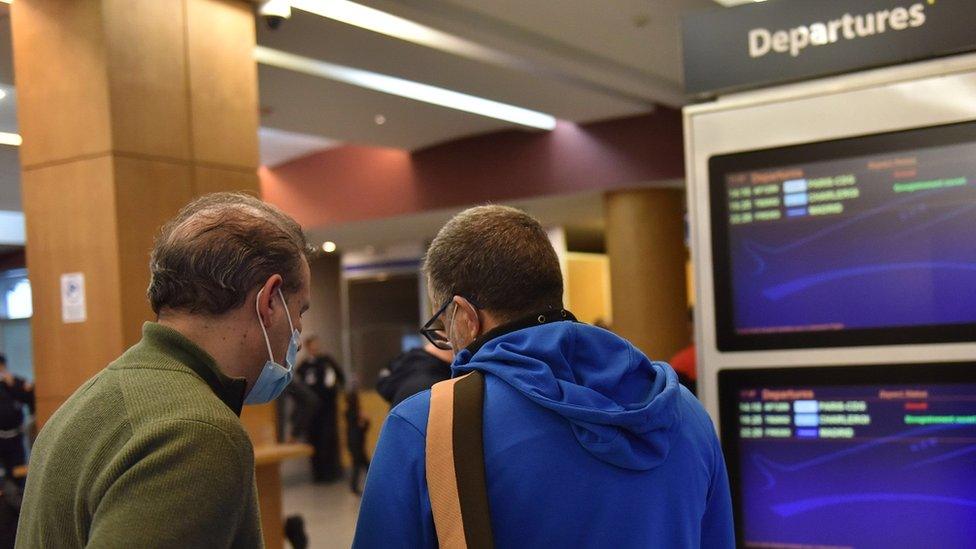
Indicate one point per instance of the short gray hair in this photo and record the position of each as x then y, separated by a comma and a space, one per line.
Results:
219, 247
498, 257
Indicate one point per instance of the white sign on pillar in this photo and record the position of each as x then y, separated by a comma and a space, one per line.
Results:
73, 308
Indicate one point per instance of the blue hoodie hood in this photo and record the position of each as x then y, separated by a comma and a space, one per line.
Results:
623, 408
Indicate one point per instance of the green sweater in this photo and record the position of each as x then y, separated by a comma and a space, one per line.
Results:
148, 453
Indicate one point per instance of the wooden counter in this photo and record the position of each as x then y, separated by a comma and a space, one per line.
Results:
274, 454
267, 471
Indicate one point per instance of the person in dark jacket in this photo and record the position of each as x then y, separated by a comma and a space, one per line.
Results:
412, 372
322, 374
297, 405
16, 394
356, 429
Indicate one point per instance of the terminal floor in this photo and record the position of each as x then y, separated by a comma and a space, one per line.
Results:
329, 510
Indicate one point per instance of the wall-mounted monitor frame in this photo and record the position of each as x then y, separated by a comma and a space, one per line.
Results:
728, 337
731, 383
919, 95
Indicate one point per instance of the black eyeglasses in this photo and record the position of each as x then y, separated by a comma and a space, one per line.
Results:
434, 329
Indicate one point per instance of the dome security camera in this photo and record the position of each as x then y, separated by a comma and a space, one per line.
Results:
274, 12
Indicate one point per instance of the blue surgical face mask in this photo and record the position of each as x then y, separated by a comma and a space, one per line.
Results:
274, 377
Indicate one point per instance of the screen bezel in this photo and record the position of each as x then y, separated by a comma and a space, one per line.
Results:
732, 381
719, 166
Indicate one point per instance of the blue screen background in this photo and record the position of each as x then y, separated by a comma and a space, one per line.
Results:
894, 485
889, 260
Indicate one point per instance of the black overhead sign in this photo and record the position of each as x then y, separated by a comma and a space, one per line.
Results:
789, 40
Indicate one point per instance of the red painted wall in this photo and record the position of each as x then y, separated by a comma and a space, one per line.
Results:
353, 183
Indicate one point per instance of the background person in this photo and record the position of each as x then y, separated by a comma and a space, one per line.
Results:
356, 428
16, 395
414, 371
587, 443
322, 374
685, 361
151, 452
296, 406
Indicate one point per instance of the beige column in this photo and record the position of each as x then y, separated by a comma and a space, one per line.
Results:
128, 109
645, 243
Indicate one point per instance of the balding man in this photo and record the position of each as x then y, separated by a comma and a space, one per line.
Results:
583, 441
151, 452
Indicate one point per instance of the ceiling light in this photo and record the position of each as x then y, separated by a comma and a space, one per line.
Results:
2, 92
7, 138
730, 3
381, 22
391, 25
375, 20
329, 247
405, 88
379, 119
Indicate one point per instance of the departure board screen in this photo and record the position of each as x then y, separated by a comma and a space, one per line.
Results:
858, 465
847, 242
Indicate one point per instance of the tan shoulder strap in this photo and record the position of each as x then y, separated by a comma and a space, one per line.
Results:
456, 463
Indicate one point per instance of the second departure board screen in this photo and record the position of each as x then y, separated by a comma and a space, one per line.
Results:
839, 243
836, 464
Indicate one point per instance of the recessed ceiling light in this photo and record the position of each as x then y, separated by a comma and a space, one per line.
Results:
405, 88
329, 247
379, 119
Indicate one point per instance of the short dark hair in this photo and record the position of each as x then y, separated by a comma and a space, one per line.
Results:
3, 358
219, 247
498, 257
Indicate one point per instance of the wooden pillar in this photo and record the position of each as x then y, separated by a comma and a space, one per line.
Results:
645, 243
127, 111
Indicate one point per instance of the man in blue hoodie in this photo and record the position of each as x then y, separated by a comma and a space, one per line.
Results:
587, 442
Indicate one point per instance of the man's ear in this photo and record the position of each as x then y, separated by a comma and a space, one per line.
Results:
468, 320
267, 297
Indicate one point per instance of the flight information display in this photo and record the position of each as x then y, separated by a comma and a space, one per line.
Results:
853, 466
848, 236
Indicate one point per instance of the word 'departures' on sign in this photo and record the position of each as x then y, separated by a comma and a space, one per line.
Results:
849, 27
